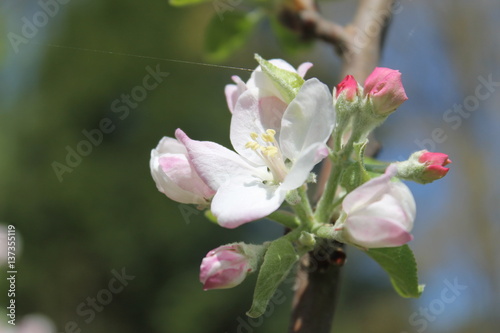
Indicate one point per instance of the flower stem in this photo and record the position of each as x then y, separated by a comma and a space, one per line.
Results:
285, 218
303, 209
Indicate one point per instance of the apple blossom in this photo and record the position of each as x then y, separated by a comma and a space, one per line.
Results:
175, 176
384, 90
275, 153
379, 213
228, 265
259, 80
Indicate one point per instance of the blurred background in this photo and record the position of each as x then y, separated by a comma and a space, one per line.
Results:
93, 222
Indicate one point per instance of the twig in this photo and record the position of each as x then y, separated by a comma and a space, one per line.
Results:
359, 45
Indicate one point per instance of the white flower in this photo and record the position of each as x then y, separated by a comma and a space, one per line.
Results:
175, 176
260, 81
275, 152
379, 213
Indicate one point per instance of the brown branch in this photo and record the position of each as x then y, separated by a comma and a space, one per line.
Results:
359, 45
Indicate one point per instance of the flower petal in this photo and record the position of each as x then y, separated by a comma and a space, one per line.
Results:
245, 199
216, 164
263, 83
174, 175
170, 188
309, 119
373, 232
303, 68
406, 200
369, 191
170, 145
233, 91
178, 169
254, 114
303, 166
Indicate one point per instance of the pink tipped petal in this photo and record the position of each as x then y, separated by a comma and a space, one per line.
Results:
231, 92
373, 232
303, 68
170, 145
215, 164
178, 169
175, 176
309, 119
223, 280
224, 267
379, 213
366, 193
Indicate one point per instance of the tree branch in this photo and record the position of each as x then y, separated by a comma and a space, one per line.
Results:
359, 45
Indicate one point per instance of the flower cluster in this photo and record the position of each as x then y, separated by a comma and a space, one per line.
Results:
280, 129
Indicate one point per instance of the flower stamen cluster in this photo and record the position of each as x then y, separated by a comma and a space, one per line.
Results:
268, 150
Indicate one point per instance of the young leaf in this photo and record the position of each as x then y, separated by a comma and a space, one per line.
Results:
223, 37
288, 83
401, 266
278, 261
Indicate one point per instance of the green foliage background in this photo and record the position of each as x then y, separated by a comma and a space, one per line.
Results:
107, 214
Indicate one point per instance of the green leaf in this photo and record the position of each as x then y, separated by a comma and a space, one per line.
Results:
186, 2
288, 83
278, 261
225, 36
401, 266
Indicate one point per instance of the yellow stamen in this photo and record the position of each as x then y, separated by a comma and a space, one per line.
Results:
252, 145
269, 136
270, 151
254, 136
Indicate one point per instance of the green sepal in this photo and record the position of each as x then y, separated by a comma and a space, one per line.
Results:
399, 263
288, 83
179, 3
279, 259
224, 37
210, 216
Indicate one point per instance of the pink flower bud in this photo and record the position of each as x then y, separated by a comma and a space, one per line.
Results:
175, 176
349, 88
384, 89
379, 213
224, 267
434, 165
